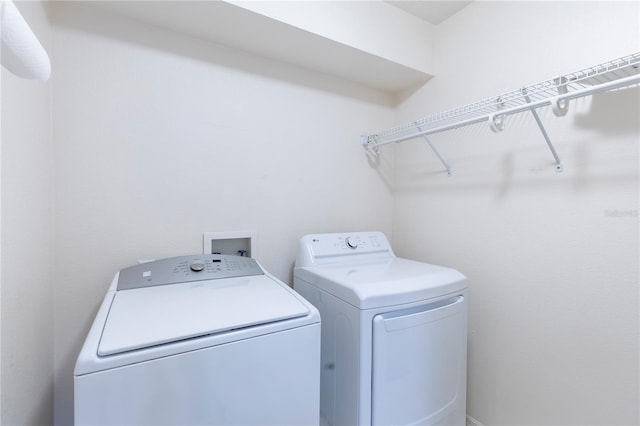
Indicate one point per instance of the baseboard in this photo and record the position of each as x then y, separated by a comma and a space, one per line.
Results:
473, 422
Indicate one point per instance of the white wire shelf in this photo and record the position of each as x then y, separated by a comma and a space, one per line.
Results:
557, 92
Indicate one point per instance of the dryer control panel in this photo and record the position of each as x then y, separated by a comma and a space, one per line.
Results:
330, 248
181, 269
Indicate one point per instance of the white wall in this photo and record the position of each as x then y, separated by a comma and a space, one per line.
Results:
552, 259
373, 26
27, 259
160, 137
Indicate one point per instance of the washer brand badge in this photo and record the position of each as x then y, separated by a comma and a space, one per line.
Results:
146, 274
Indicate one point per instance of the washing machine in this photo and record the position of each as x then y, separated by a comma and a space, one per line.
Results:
200, 340
394, 332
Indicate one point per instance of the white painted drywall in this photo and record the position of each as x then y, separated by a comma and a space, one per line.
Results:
552, 259
27, 259
160, 137
371, 43
373, 27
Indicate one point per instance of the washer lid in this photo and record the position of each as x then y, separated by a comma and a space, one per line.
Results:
150, 316
380, 283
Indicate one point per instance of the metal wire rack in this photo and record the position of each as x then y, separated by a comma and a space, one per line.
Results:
556, 92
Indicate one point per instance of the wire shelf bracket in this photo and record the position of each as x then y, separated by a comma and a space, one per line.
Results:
557, 93
544, 132
435, 151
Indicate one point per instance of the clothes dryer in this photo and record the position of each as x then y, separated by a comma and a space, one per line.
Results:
195, 340
394, 332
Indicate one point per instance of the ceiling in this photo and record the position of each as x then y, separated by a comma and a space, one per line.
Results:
433, 12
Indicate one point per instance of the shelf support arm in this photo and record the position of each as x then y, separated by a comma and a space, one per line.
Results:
544, 132
435, 151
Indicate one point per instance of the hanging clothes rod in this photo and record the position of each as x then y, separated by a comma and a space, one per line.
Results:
556, 92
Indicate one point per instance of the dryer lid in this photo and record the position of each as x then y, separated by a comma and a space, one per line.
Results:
151, 316
373, 284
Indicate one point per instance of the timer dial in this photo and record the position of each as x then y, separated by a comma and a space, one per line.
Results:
196, 266
351, 243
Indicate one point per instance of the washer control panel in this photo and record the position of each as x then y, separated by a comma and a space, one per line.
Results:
320, 248
174, 270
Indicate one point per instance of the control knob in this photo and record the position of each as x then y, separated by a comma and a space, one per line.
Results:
196, 266
350, 243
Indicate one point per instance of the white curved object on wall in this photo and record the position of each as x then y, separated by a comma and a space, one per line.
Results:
22, 53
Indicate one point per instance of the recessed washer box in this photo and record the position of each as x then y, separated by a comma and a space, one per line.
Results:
238, 243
